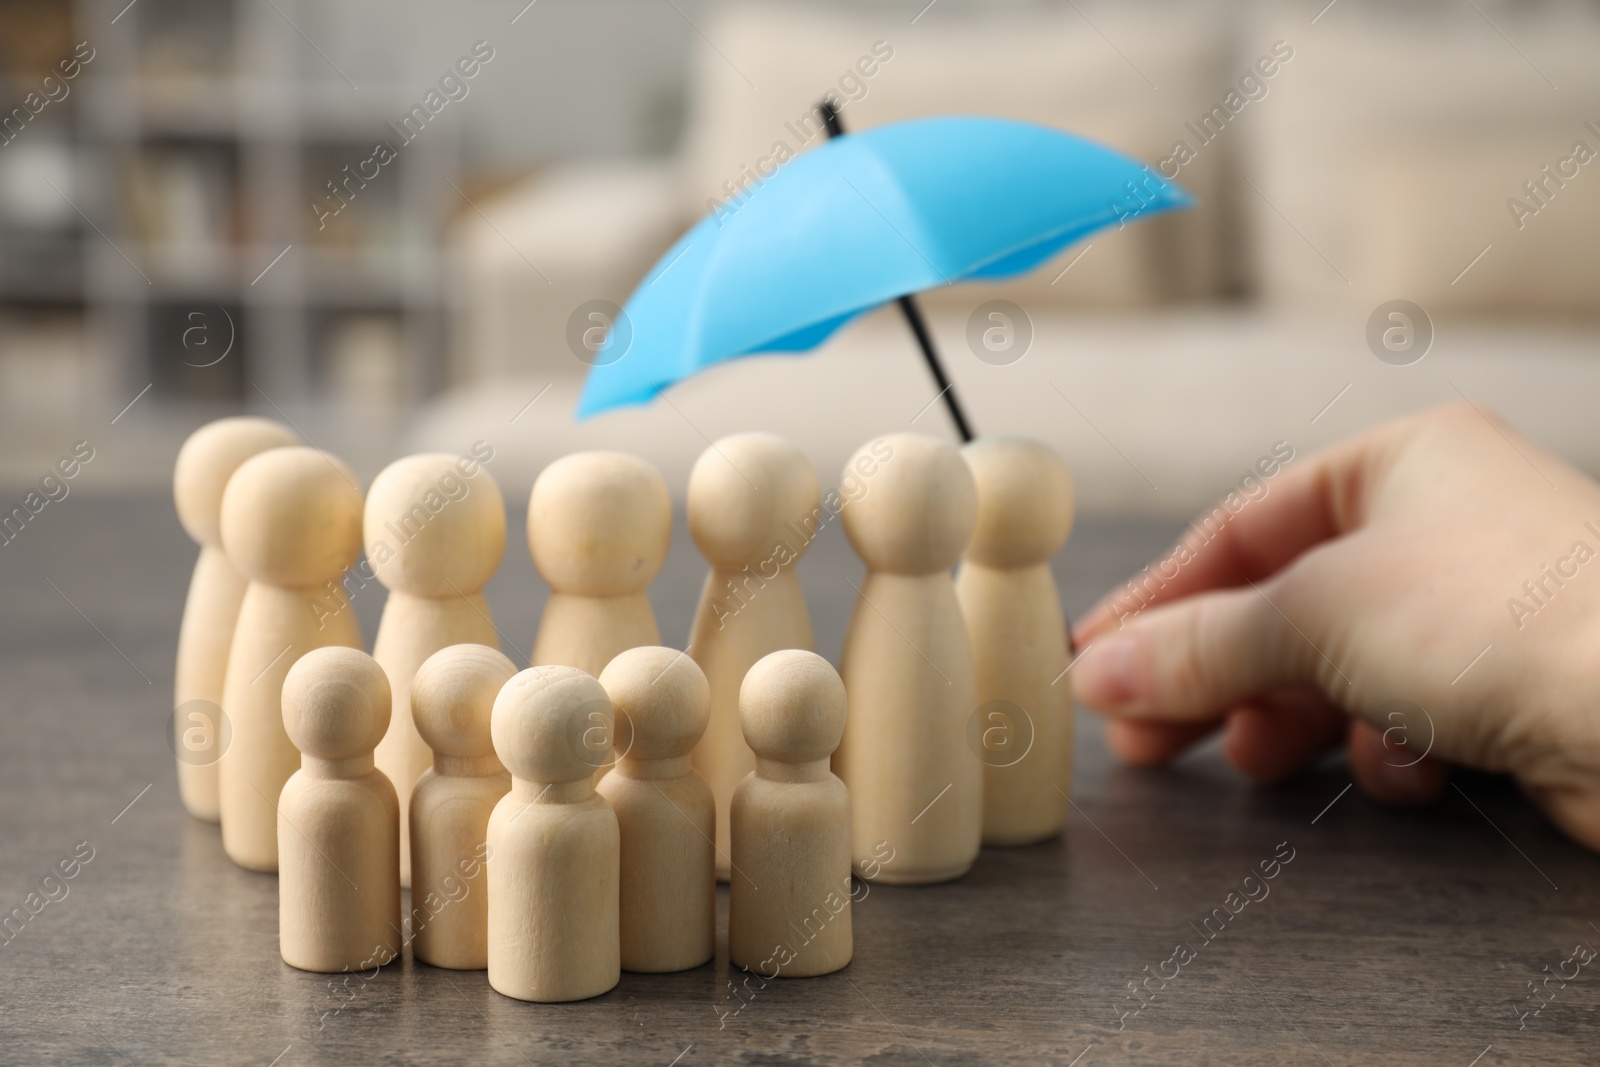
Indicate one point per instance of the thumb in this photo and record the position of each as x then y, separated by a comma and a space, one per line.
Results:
1192, 658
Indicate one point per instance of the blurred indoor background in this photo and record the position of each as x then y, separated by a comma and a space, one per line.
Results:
257, 205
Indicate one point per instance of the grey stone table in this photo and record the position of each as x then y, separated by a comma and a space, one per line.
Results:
1390, 936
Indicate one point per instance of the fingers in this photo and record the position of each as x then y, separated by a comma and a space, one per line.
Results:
1280, 734
1388, 774
1152, 744
1270, 739
1247, 538
1191, 660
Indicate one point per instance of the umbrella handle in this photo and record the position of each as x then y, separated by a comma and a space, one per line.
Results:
913, 314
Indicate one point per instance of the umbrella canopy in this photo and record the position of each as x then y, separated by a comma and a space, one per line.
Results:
858, 222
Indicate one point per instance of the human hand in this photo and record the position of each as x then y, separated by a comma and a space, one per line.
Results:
1371, 573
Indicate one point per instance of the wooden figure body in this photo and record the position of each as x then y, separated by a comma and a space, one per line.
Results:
291, 524
789, 899
753, 512
338, 819
599, 524
435, 530
554, 845
664, 810
451, 700
1019, 638
205, 463
908, 667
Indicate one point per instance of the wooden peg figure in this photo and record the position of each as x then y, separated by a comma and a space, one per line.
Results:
205, 463
753, 512
291, 524
451, 699
599, 524
789, 899
1023, 728
435, 531
554, 846
664, 810
338, 818
907, 664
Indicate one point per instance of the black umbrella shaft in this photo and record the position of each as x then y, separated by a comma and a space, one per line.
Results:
919, 329
830, 119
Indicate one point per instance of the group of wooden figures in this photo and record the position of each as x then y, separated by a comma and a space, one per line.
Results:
567, 822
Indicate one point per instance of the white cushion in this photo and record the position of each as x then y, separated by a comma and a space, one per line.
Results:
543, 248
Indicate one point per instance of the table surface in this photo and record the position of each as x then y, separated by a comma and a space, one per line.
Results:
1405, 936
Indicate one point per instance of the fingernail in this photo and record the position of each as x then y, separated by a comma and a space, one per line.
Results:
1107, 674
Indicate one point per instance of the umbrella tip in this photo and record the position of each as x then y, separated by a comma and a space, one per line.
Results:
830, 119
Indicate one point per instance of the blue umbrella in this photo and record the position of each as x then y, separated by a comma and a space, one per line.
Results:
863, 220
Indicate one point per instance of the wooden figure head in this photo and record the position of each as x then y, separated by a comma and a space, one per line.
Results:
292, 517
599, 524
453, 696
749, 493
1025, 502
432, 529
552, 724
208, 459
336, 703
915, 511
662, 702
792, 707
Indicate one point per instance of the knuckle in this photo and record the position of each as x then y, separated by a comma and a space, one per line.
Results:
1196, 669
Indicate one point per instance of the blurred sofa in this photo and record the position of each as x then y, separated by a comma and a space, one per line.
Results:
1375, 161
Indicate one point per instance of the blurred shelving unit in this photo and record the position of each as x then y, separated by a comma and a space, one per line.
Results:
41, 243
167, 205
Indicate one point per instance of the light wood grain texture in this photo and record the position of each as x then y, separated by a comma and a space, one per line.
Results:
554, 845
599, 526
664, 810
338, 819
435, 530
789, 898
1023, 729
205, 463
452, 698
291, 524
907, 663
753, 506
